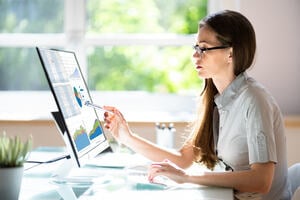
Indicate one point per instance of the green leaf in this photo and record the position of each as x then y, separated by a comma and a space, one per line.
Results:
13, 152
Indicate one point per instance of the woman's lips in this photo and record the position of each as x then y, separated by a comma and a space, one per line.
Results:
198, 67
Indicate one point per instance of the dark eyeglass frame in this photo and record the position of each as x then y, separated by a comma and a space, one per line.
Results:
201, 50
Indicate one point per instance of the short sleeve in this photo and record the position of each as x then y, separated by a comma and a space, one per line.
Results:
260, 130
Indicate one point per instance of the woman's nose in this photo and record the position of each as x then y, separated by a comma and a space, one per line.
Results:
196, 54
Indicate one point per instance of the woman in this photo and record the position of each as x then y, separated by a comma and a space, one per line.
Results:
238, 121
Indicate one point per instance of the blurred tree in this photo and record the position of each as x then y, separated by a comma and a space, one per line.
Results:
20, 68
31, 16
151, 68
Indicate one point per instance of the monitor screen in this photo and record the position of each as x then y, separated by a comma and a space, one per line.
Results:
79, 124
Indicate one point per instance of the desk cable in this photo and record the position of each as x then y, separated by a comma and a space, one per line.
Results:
46, 162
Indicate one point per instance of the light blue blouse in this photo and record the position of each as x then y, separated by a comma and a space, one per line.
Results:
251, 130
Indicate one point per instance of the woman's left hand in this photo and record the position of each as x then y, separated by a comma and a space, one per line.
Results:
168, 169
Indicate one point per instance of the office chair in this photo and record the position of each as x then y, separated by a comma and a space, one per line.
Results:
294, 178
296, 195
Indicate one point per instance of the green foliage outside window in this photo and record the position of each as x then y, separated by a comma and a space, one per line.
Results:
148, 16
151, 68
31, 16
20, 68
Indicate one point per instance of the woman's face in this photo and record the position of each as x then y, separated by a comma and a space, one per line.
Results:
213, 63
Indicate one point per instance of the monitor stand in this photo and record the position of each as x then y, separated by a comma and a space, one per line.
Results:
59, 176
70, 161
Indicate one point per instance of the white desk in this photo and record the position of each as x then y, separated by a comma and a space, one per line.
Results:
36, 184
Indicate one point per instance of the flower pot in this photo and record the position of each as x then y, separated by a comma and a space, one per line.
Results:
10, 182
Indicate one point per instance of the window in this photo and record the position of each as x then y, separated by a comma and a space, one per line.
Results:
20, 20
122, 45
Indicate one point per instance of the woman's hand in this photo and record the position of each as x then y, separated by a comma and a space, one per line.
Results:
168, 169
115, 122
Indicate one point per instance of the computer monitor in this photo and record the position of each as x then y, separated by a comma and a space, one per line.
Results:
79, 124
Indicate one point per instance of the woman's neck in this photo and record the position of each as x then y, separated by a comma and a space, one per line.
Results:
223, 82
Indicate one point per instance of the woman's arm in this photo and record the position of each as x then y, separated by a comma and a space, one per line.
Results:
182, 158
257, 179
117, 125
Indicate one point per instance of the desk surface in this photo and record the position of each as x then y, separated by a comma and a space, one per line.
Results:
37, 184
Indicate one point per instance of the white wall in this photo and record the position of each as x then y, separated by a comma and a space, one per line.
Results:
277, 27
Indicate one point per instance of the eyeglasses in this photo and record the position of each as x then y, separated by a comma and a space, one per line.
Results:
201, 50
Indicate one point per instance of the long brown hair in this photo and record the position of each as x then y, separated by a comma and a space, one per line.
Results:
232, 29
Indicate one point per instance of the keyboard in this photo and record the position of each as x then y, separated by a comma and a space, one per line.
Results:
138, 176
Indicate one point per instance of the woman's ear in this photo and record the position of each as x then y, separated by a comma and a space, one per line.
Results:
230, 57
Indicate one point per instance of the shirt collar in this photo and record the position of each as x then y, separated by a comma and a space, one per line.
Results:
232, 90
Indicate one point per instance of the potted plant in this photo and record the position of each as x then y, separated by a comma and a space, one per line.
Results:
13, 154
